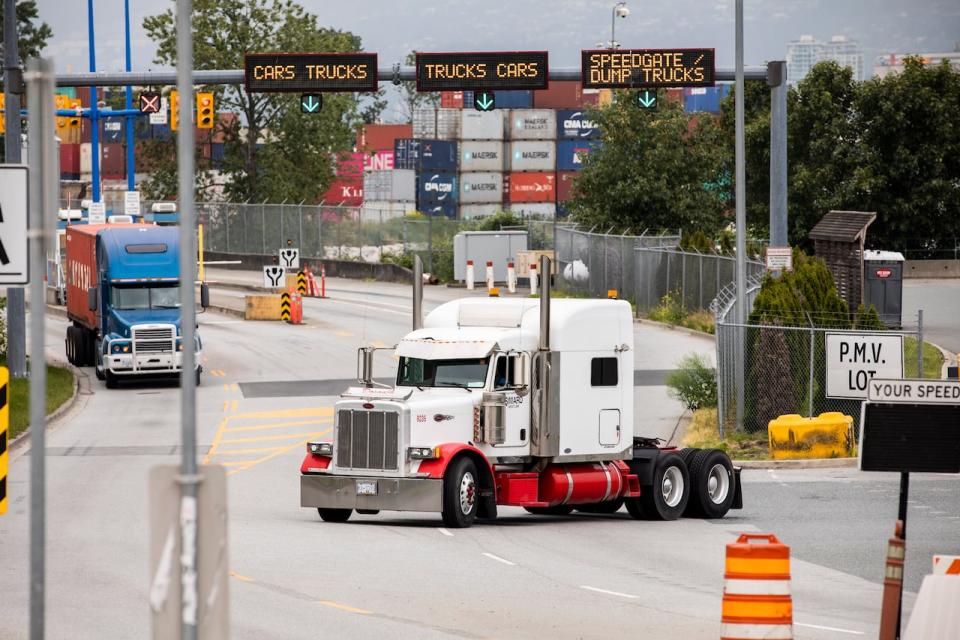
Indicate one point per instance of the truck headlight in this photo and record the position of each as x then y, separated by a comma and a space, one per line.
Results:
120, 347
423, 453
320, 448
179, 344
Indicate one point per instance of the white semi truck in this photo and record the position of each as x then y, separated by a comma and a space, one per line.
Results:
521, 402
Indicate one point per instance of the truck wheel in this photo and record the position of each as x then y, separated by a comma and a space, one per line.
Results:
711, 483
198, 376
110, 378
460, 497
86, 348
687, 454
556, 510
611, 506
368, 512
69, 345
334, 515
667, 498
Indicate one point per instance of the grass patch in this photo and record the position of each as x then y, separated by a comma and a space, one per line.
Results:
932, 359
702, 433
59, 390
671, 311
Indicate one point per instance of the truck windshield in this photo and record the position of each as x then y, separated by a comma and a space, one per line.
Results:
469, 374
137, 297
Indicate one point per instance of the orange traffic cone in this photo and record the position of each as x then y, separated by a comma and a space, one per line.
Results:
756, 591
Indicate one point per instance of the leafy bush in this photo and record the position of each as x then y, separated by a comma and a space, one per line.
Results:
797, 298
670, 309
868, 318
694, 383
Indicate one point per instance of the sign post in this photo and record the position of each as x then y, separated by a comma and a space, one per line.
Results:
779, 259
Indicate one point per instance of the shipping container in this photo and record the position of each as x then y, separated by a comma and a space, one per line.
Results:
348, 166
532, 187
481, 187
86, 156
533, 124
436, 123
575, 123
426, 155
113, 162
439, 209
512, 99
437, 187
81, 247
565, 185
696, 99
380, 210
471, 211
572, 153
380, 137
534, 209
565, 94
481, 125
533, 155
70, 159
113, 130
451, 100
397, 185
343, 192
477, 155
378, 161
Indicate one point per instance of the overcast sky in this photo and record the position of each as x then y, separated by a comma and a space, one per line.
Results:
563, 27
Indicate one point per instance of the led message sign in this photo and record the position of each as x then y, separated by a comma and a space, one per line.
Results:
482, 71
647, 68
310, 72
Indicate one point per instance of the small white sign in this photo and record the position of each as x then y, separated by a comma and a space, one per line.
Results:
97, 213
160, 117
853, 359
112, 125
14, 205
131, 203
290, 258
915, 391
273, 276
779, 259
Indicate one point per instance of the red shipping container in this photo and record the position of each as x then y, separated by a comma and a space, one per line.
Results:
113, 163
70, 158
533, 187
380, 137
81, 271
562, 94
451, 99
565, 185
348, 193
349, 166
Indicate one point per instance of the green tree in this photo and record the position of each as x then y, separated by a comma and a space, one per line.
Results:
32, 35
410, 98
807, 295
651, 171
271, 140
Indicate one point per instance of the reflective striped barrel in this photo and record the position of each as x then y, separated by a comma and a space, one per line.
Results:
756, 592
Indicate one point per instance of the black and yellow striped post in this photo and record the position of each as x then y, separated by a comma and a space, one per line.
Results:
4, 425
301, 283
285, 306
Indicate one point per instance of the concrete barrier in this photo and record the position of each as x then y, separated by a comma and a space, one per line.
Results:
829, 435
262, 307
334, 268
931, 269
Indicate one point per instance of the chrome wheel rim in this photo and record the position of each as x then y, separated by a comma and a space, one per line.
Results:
468, 493
718, 484
671, 487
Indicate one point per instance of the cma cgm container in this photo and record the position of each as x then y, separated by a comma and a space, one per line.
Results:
532, 187
425, 155
575, 123
572, 153
471, 211
380, 137
437, 187
439, 209
482, 155
533, 155
533, 124
430, 122
481, 125
481, 187
398, 185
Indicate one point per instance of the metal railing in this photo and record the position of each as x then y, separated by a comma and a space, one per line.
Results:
695, 279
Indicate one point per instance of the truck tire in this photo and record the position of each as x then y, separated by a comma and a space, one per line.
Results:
70, 345
460, 499
711, 483
667, 497
368, 512
334, 515
98, 368
555, 510
110, 379
687, 454
611, 506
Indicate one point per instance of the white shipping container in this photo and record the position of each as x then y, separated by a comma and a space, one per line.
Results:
438, 124
396, 185
534, 209
377, 211
481, 125
471, 211
86, 157
482, 155
533, 124
533, 155
481, 186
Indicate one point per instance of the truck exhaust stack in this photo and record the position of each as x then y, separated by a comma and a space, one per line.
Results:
417, 293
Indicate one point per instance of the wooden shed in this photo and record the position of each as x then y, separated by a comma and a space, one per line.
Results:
838, 238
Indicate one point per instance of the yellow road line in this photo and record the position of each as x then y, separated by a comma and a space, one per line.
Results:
278, 425
303, 412
344, 607
226, 387
216, 441
379, 344
234, 452
233, 406
236, 463
234, 386
277, 453
289, 436
343, 334
234, 574
224, 406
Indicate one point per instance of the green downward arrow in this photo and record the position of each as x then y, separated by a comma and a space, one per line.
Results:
310, 103
484, 101
647, 99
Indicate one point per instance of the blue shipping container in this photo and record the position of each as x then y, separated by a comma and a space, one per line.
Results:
437, 209
575, 123
437, 188
570, 153
704, 98
511, 100
426, 155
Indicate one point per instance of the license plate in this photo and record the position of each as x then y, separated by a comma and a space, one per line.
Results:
366, 487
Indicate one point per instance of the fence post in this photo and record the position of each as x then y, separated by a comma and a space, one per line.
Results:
810, 380
920, 343
721, 375
683, 280
263, 228
300, 224
700, 280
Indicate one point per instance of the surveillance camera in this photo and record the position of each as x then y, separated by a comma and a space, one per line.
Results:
623, 12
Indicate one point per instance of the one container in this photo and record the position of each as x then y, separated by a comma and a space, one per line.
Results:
571, 153
380, 137
471, 211
425, 155
533, 124
437, 187
343, 192
380, 210
398, 185
533, 155
707, 99
431, 122
439, 209
481, 187
565, 185
534, 209
575, 123
349, 166
482, 155
532, 187
565, 94
883, 285
498, 247
481, 125
511, 100
378, 160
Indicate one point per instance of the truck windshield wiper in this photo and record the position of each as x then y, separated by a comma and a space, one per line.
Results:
454, 384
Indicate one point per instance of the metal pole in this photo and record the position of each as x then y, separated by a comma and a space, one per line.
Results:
188, 386
94, 116
16, 305
129, 101
810, 379
777, 80
430, 242
741, 190
43, 207
417, 292
919, 347
904, 496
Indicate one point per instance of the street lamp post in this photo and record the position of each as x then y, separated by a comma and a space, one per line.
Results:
620, 10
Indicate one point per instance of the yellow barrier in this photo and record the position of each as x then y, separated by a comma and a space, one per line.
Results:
829, 435
262, 307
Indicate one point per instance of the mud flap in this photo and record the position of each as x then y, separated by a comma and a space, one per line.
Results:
737, 490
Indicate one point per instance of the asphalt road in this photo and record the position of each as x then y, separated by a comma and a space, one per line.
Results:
402, 575
940, 301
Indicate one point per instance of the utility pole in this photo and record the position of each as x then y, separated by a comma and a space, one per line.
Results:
741, 193
13, 89
129, 102
94, 114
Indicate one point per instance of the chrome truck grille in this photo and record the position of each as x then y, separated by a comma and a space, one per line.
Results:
153, 340
367, 439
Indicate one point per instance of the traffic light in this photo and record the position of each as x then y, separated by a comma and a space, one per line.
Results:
3, 116
174, 110
204, 110
61, 102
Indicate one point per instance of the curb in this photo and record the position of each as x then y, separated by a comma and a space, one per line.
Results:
52, 419
812, 463
228, 311
673, 327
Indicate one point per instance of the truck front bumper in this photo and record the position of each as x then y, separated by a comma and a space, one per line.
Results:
146, 363
393, 494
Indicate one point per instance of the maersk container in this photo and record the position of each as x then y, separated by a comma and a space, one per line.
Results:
481, 187
572, 153
471, 211
533, 155
575, 123
379, 210
425, 155
534, 209
437, 187
439, 209
477, 155
431, 122
481, 125
707, 99
397, 185
533, 124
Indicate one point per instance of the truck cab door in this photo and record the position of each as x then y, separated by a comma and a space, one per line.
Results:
509, 377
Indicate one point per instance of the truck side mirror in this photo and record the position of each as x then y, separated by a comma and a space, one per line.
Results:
204, 295
519, 370
92, 298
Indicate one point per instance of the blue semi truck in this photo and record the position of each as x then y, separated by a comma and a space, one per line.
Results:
123, 301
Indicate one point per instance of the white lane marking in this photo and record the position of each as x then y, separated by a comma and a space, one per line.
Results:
499, 559
222, 322
444, 531
610, 593
817, 626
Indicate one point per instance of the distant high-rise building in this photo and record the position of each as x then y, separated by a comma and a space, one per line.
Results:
893, 62
802, 54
